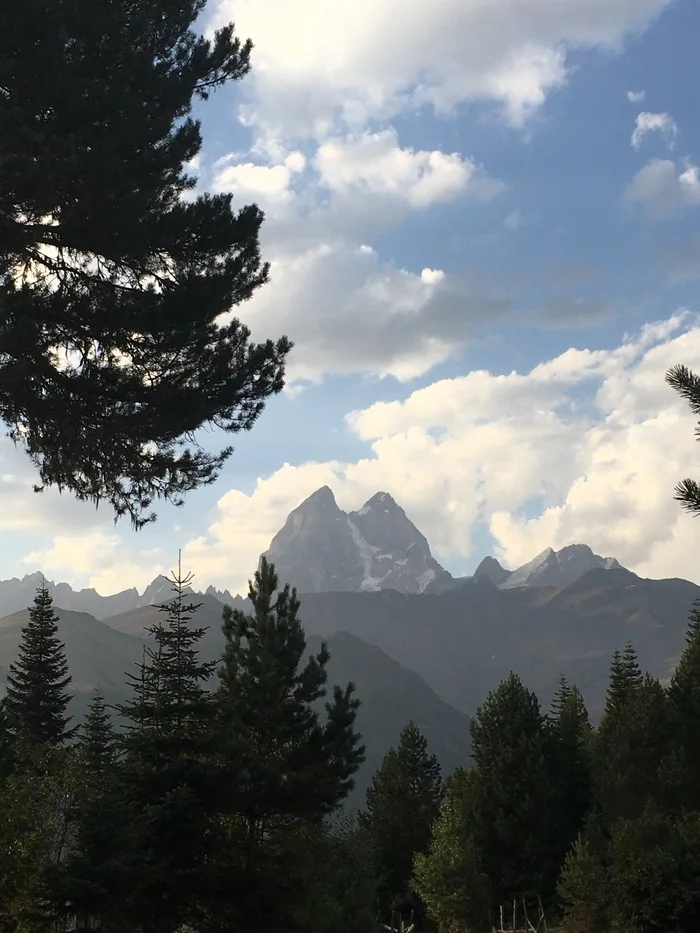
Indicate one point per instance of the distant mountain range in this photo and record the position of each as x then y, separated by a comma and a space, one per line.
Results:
321, 549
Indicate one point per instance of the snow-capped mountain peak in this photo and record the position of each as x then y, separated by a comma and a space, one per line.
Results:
321, 548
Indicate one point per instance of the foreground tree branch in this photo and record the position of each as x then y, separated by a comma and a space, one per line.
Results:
113, 286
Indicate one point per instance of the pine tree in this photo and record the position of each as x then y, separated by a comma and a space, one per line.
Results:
113, 283
515, 817
684, 699
168, 771
403, 801
625, 678
571, 735
284, 767
687, 385
633, 744
36, 684
449, 877
96, 879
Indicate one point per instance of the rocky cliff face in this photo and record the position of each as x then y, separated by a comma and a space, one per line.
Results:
320, 548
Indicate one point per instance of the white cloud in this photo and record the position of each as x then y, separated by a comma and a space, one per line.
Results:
662, 123
357, 60
268, 185
590, 442
374, 166
663, 189
100, 558
636, 97
350, 312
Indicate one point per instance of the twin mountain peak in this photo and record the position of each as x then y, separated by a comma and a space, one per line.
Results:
320, 548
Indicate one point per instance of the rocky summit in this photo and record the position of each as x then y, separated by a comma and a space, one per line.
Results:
321, 549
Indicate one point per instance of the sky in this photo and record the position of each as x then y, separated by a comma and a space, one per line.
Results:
483, 224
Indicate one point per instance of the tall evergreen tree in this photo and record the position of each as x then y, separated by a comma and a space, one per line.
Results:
112, 284
684, 698
37, 683
168, 771
634, 743
571, 735
96, 879
403, 801
515, 817
282, 764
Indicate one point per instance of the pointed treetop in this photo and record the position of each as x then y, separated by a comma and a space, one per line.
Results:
37, 683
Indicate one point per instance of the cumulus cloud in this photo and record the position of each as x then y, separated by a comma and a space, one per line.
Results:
351, 312
102, 559
373, 165
647, 123
355, 61
636, 97
664, 189
585, 447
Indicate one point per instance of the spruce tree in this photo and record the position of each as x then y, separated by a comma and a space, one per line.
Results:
634, 743
515, 814
37, 683
96, 879
114, 277
168, 771
570, 735
403, 801
283, 765
684, 698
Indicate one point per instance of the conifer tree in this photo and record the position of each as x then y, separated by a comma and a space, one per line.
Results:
403, 801
283, 765
633, 744
114, 276
168, 770
515, 817
449, 877
684, 698
96, 879
37, 683
571, 737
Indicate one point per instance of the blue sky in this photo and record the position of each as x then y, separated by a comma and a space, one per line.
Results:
453, 198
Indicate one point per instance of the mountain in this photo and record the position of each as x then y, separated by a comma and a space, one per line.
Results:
550, 568
465, 641
320, 548
490, 569
558, 568
16, 594
462, 642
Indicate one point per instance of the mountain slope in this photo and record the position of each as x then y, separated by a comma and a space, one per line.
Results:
464, 641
